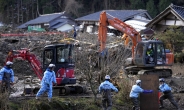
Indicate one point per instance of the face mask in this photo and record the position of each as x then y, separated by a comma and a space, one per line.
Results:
139, 84
9, 66
52, 68
161, 83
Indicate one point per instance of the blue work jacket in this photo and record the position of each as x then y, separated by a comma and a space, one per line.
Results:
135, 91
106, 85
7, 71
164, 87
49, 77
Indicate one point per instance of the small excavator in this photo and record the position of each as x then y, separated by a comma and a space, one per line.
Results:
139, 63
62, 55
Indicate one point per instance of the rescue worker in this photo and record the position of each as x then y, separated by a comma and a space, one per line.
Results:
134, 94
74, 32
47, 82
105, 89
6, 77
166, 90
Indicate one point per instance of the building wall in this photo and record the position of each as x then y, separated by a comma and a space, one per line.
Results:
171, 20
141, 17
65, 28
159, 27
92, 26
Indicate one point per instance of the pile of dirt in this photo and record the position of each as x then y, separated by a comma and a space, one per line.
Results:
36, 45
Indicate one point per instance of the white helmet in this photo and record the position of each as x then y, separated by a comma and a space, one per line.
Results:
107, 77
62, 60
161, 80
9, 63
149, 47
138, 81
51, 65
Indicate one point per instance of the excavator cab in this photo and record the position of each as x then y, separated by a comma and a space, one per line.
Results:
150, 53
63, 57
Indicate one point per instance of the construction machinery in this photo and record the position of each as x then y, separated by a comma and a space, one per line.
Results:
62, 55
139, 63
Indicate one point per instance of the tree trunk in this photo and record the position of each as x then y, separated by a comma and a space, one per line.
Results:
18, 10
32, 9
12, 15
105, 4
92, 86
27, 12
38, 8
22, 14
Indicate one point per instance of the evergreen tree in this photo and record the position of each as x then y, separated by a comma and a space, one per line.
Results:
151, 8
163, 4
137, 4
173, 38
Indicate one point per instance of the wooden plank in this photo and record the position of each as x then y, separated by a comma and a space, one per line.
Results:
149, 101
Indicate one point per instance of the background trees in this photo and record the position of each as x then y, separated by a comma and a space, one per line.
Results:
172, 37
20, 11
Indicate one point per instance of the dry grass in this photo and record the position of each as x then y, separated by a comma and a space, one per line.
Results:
122, 98
4, 101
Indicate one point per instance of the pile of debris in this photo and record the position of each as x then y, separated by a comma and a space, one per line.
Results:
36, 45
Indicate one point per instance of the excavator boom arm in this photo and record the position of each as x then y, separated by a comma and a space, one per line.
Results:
24, 54
119, 25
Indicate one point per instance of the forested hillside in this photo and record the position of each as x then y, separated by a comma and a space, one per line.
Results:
21, 11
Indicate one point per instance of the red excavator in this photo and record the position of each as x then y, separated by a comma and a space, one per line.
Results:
139, 62
62, 55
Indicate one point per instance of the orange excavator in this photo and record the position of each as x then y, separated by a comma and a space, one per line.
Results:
62, 55
140, 62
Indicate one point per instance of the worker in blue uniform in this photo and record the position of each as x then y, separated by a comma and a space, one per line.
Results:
166, 90
6, 77
74, 32
134, 94
47, 82
105, 89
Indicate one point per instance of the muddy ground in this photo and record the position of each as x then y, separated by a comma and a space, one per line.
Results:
37, 43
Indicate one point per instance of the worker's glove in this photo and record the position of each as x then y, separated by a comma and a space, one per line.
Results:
151, 91
12, 83
147, 91
55, 84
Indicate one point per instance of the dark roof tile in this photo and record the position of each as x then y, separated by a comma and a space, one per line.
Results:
121, 14
179, 10
52, 19
45, 18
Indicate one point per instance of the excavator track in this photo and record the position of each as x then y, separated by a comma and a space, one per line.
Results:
134, 70
162, 73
